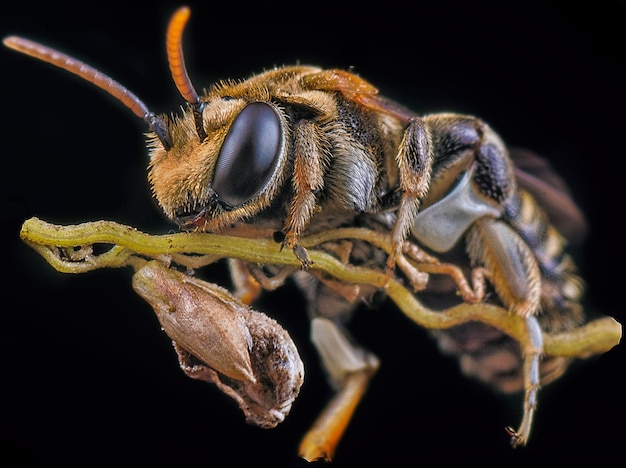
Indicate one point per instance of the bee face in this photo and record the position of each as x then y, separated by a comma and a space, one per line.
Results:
232, 174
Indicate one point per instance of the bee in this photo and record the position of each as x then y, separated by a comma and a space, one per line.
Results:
298, 150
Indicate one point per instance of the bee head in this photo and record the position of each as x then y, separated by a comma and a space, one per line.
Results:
220, 161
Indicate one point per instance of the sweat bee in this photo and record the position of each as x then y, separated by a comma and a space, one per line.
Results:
298, 150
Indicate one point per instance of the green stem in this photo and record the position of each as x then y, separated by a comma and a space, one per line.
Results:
595, 337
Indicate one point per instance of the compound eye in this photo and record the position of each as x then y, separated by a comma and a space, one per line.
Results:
249, 155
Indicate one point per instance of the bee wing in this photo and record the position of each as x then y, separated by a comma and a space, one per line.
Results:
360, 91
338, 80
536, 175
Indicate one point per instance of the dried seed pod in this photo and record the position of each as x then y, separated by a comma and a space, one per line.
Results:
220, 340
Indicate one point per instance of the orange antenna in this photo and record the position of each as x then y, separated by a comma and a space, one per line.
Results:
79, 68
174, 44
90, 74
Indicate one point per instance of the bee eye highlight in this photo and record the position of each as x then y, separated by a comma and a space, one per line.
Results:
249, 155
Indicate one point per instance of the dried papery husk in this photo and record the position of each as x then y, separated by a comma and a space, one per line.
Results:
220, 340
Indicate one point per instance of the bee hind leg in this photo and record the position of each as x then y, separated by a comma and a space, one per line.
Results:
531, 350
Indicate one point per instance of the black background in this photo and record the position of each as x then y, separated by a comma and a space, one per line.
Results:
89, 378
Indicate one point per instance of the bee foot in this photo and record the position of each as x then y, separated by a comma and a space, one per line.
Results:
302, 255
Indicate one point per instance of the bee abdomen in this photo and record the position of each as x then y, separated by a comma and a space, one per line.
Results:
561, 287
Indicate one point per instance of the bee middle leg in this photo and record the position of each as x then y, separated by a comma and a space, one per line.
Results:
350, 368
414, 159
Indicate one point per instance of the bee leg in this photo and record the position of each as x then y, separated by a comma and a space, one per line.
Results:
246, 287
350, 369
512, 266
417, 278
532, 351
309, 167
250, 280
515, 275
415, 158
420, 267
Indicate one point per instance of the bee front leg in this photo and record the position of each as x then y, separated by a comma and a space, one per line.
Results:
309, 167
250, 280
350, 369
246, 288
